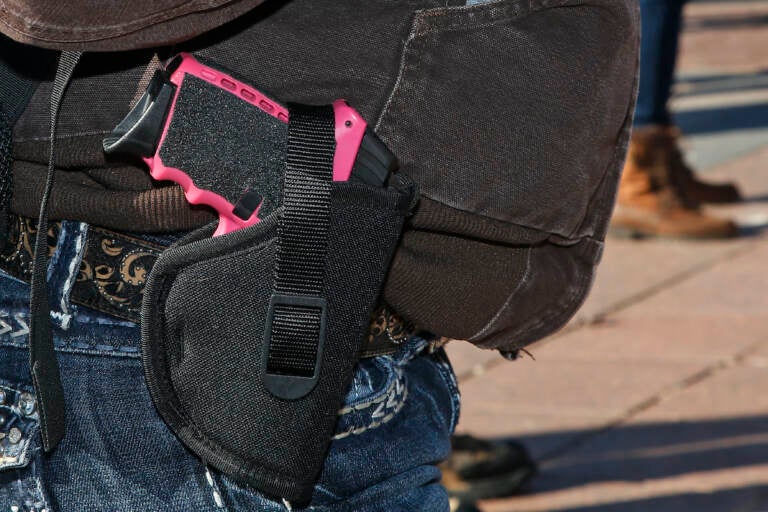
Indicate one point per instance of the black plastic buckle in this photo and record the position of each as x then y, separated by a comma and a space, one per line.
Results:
286, 385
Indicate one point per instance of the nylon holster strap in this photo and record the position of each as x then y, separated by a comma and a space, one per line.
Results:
296, 322
43, 364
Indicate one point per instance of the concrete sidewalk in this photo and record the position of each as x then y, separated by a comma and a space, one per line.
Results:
656, 396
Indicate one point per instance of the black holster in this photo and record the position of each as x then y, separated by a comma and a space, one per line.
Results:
250, 338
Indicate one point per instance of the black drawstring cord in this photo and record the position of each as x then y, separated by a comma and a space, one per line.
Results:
42, 357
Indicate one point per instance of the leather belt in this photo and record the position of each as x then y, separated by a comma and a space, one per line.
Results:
115, 267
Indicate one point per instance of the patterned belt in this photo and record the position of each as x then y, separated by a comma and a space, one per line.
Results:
114, 269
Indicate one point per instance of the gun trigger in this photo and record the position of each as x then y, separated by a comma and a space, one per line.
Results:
247, 204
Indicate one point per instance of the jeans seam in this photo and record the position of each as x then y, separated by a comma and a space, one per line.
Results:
398, 406
17, 336
63, 268
40, 494
8, 330
74, 266
216, 494
85, 349
380, 396
449, 379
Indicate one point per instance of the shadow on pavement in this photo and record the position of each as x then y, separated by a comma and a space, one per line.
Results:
647, 451
752, 230
759, 199
747, 20
696, 85
721, 119
726, 500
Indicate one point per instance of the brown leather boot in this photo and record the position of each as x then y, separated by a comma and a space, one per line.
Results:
481, 468
654, 196
664, 139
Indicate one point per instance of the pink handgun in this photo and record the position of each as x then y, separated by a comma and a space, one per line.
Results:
224, 141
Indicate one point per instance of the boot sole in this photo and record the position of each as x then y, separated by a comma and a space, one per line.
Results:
627, 234
506, 484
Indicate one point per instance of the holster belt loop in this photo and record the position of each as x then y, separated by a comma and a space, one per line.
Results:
296, 321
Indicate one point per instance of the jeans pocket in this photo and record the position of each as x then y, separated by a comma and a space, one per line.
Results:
378, 391
19, 423
21, 487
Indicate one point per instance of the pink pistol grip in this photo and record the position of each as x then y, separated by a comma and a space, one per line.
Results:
349, 132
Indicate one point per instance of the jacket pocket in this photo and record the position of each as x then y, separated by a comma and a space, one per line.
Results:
512, 109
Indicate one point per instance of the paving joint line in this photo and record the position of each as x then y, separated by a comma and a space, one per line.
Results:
663, 394
670, 282
705, 373
728, 164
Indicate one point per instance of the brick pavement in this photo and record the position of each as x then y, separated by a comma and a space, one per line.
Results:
656, 396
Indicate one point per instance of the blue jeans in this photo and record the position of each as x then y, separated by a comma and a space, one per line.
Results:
660, 34
119, 456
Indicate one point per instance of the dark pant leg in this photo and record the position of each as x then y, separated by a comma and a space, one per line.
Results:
661, 24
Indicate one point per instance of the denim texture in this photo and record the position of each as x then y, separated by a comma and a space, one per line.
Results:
118, 455
661, 21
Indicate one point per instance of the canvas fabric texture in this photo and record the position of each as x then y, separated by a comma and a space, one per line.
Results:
113, 25
204, 314
517, 162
